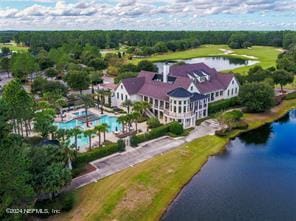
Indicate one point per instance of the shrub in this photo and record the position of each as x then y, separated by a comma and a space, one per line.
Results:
99, 152
241, 125
223, 132
63, 202
223, 105
234, 115
121, 145
176, 128
154, 133
153, 122
290, 96
51, 72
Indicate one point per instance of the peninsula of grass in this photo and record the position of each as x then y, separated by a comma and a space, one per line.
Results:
266, 56
143, 192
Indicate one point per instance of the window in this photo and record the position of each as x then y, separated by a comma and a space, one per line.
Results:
221, 93
121, 86
121, 96
117, 95
191, 88
125, 97
217, 94
232, 82
232, 91
180, 102
175, 109
180, 109
227, 92
236, 90
184, 109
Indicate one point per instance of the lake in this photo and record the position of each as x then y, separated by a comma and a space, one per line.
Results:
219, 63
254, 179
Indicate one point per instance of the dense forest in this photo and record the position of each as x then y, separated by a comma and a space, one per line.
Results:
150, 41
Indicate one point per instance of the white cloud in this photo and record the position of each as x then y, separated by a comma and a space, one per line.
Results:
147, 14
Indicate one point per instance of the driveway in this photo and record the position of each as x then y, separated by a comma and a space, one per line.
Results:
120, 161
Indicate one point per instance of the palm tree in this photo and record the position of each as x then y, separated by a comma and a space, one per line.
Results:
127, 104
98, 130
56, 100
75, 132
104, 129
68, 153
88, 102
136, 116
141, 106
89, 133
60, 103
129, 120
108, 93
61, 135
122, 120
100, 95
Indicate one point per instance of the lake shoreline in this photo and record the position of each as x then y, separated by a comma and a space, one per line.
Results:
160, 179
234, 134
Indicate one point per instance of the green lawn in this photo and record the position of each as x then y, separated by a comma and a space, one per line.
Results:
265, 55
14, 47
144, 191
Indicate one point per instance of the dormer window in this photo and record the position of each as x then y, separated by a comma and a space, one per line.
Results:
199, 76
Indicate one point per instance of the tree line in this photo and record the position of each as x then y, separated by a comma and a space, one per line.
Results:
113, 39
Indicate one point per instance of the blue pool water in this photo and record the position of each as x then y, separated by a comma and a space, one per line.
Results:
82, 141
254, 180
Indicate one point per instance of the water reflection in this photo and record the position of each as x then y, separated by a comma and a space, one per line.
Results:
285, 119
257, 136
219, 63
246, 182
292, 115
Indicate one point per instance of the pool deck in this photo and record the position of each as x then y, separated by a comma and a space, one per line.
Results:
116, 162
110, 136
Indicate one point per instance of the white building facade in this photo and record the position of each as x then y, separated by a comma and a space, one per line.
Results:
181, 93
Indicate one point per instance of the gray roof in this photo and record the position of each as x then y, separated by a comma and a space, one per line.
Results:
197, 96
179, 93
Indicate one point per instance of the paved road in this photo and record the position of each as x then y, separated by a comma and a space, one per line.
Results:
117, 162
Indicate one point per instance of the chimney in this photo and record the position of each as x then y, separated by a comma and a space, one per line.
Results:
166, 70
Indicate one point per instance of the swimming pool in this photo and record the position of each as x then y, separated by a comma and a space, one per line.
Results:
82, 141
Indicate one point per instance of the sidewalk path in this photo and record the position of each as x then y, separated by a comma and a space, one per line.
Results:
117, 162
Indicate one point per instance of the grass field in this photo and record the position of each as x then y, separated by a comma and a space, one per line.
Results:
265, 55
144, 191
14, 47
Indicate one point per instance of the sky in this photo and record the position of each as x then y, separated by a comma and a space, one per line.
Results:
148, 14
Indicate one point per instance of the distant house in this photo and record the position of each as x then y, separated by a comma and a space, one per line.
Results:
181, 93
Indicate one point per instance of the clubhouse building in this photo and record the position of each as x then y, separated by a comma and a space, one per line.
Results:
181, 93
